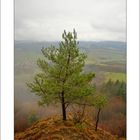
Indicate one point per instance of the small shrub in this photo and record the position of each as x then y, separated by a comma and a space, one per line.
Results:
81, 126
32, 118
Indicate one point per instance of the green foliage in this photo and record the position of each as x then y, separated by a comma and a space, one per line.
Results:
81, 126
32, 118
61, 78
100, 101
115, 88
97, 100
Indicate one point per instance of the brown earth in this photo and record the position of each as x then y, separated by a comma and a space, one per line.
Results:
54, 128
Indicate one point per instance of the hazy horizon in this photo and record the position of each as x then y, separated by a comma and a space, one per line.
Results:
61, 40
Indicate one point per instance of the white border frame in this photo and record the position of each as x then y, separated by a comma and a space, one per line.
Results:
133, 70
7, 74
7, 55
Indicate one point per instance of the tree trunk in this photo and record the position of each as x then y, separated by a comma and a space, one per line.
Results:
97, 118
62, 94
63, 107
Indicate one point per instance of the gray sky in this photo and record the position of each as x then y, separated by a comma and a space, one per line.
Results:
94, 20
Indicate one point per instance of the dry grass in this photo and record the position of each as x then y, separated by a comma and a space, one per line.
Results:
54, 128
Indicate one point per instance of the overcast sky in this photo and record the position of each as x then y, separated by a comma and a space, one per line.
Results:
94, 20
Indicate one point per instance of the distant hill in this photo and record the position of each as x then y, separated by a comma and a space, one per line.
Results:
54, 128
87, 44
101, 49
99, 53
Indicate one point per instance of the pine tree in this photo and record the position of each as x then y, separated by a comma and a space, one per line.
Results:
62, 79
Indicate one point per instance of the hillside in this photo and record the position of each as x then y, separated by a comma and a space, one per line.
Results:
54, 128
